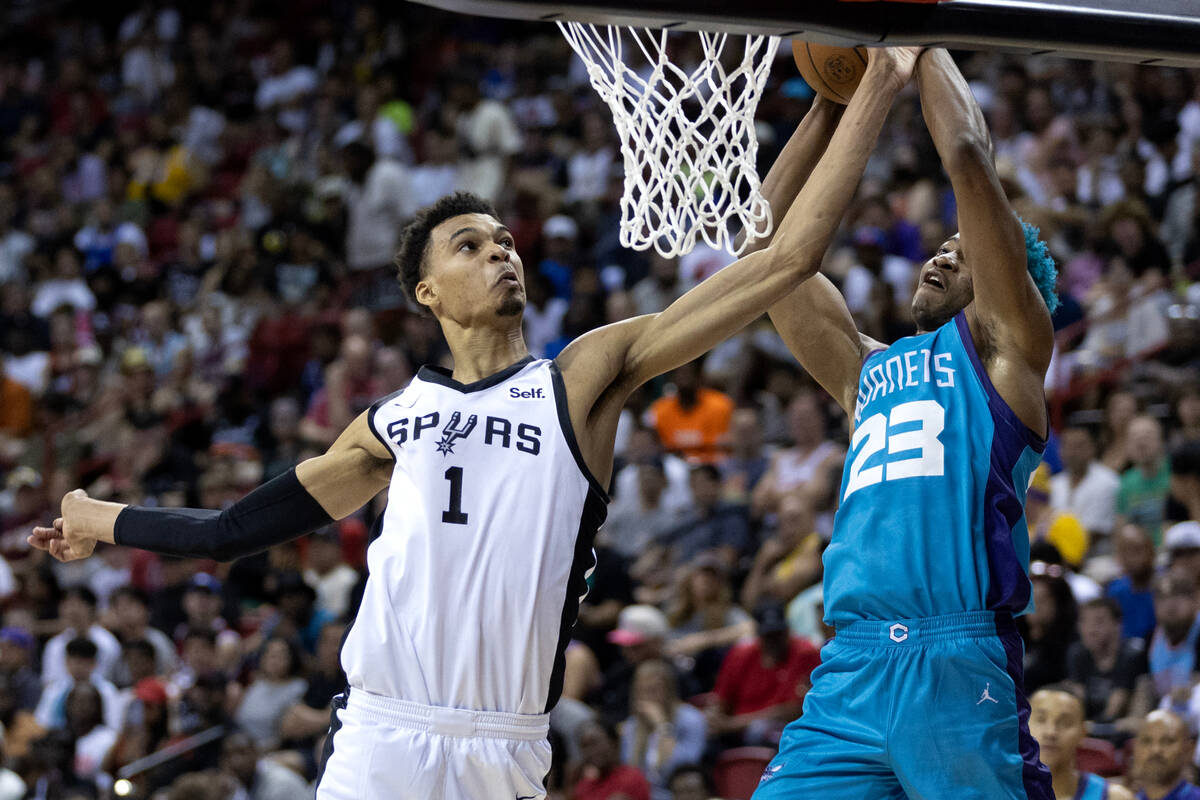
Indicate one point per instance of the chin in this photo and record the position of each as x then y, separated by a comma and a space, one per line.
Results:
511, 307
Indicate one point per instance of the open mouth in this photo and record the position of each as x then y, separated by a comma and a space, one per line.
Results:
933, 279
508, 278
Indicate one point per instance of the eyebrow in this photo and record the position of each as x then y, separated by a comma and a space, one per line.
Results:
469, 229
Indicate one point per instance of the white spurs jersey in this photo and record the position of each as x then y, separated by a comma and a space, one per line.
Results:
477, 570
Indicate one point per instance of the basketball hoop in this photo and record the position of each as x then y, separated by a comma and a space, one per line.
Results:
687, 135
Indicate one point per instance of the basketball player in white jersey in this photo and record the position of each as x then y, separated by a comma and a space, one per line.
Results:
495, 475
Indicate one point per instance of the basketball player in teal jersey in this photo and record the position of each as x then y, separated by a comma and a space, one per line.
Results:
1057, 722
920, 693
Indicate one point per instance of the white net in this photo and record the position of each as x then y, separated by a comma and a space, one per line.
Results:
687, 134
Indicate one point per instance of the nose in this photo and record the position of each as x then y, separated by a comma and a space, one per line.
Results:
499, 253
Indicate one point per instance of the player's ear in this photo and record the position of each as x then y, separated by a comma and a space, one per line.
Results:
426, 293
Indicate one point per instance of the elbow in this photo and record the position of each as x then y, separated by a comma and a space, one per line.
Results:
794, 260
969, 154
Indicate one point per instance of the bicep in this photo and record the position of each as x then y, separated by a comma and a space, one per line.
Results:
816, 325
356, 467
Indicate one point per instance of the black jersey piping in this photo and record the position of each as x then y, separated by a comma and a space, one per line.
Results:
371, 420
564, 422
595, 509
442, 377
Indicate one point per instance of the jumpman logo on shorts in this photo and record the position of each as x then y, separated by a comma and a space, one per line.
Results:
987, 695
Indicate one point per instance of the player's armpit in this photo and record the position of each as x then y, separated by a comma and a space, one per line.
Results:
816, 325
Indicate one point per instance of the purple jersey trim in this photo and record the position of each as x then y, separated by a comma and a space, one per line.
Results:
1035, 775
1001, 411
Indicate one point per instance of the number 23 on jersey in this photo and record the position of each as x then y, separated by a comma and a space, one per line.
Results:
908, 435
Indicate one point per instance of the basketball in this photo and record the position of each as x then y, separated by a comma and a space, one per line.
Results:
832, 72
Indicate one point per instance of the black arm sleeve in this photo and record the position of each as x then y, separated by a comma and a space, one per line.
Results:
276, 512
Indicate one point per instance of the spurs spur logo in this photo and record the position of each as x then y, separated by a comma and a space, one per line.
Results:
454, 431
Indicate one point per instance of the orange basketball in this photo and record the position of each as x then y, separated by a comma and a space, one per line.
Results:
832, 72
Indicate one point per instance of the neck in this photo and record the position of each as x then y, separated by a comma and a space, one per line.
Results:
1157, 791
1078, 472
1066, 780
480, 352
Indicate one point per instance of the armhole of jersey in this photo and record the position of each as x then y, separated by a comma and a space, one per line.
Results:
371, 421
564, 422
1000, 409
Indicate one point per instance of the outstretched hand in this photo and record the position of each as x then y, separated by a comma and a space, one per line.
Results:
66, 539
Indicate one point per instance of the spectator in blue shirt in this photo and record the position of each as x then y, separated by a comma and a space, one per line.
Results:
1133, 590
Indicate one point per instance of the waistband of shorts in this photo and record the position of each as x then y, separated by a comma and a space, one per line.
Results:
446, 721
911, 632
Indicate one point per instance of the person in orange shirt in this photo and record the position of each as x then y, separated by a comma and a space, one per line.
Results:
692, 422
16, 408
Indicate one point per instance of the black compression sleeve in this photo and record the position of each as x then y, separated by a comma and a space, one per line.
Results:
276, 512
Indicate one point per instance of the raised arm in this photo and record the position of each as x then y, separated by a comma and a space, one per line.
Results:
331, 486
602, 368
1010, 314
813, 319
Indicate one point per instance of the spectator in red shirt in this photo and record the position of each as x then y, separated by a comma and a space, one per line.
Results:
762, 683
603, 776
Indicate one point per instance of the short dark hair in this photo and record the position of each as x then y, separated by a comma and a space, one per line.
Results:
1108, 604
692, 769
139, 646
414, 239
1185, 459
82, 647
708, 471
131, 592
81, 593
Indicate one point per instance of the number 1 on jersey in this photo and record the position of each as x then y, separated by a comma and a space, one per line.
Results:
454, 515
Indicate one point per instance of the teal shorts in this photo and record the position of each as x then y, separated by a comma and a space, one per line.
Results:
925, 709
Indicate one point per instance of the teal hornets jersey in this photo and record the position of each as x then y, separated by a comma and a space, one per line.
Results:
932, 515
1091, 787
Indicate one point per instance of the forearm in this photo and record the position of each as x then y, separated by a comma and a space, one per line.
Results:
796, 162
953, 117
276, 512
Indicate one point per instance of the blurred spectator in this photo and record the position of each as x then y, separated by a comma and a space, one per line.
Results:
712, 526
487, 138
804, 465
691, 782
1103, 663
1085, 487
1057, 722
11, 785
603, 776
1185, 478
1182, 543
660, 288
327, 574
16, 667
661, 732
1144, 486
1174, 645
202, 602
351, 385
296, 616
378, 203
1060, 529
130, 622
308, 719
789, 561
1133, 589
258, 778
641, 633
1049, 628
1119, 411
1161, 753
276, 687
639, 518
762, 683
694, 421
93, 737
746, 463
77, 610
81, 669
705, 621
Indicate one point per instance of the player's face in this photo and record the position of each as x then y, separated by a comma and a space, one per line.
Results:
944, 287
1161, 749
1056, 721
473, 272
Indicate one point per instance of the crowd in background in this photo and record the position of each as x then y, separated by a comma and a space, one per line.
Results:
198, 214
